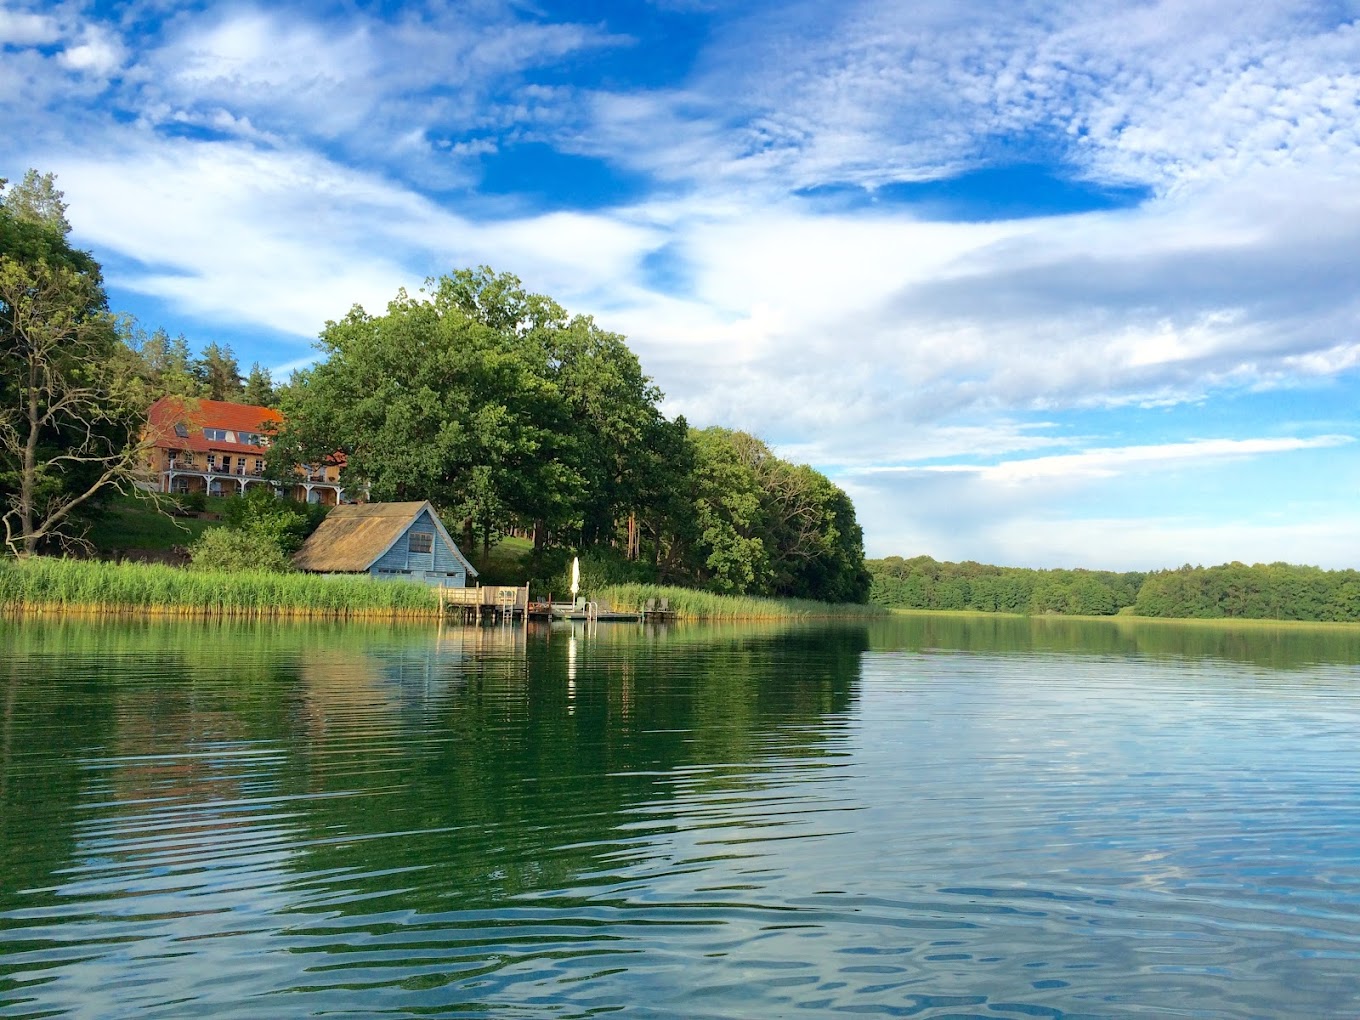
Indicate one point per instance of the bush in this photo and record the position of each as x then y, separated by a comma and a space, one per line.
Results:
231, 551
286, 521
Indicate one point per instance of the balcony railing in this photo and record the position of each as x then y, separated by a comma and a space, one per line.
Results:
240, 471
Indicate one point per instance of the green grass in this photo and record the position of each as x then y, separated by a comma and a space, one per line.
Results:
136, 524
508, 562
43, 585
687, 604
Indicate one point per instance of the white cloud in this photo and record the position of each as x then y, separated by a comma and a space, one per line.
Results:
848, 335
23, 28
1108, 462
1134, 507
99, 53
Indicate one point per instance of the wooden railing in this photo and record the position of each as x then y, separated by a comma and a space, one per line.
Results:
499, 596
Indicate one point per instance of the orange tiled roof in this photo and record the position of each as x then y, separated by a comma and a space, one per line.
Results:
196, 415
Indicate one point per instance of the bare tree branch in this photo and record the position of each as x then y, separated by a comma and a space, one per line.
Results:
63, 421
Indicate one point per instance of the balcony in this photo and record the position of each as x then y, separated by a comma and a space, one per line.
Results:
235, 471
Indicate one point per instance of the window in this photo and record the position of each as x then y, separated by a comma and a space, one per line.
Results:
215, 435
226, 463
259, 466
182, 430
212, 461
421, 542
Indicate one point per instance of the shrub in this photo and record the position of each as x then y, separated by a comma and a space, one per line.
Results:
229, 550
286, 521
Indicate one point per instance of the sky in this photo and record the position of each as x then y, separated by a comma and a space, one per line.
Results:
1036, 283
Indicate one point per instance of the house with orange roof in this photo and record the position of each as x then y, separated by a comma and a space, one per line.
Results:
218, 448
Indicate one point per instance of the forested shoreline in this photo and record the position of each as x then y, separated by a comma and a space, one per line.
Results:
1275, 591
492, 402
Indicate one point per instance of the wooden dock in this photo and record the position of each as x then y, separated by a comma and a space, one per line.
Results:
495, 602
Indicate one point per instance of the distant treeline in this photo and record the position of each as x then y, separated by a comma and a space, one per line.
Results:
1275, 591
924, 583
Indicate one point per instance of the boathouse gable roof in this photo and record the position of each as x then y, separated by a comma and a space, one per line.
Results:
353, 537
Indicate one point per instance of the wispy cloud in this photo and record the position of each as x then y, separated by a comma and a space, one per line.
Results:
266, 167
1110, 461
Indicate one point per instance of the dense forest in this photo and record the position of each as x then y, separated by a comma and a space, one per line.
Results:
492, 402
1276, 591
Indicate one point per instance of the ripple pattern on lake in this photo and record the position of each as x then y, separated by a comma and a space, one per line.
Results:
244, 821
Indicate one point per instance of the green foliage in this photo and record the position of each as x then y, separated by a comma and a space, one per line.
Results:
1277, 591
161, 365
229, 550
285, 522
69, 410
40, 584
508, 562
259, 387
504, 411
218, 374
688, 604
761, 525
924, 583
36, 200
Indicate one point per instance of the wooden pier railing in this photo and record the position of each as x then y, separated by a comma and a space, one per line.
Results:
497, 601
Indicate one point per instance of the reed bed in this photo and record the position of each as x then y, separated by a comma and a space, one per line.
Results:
687, 604
46, 585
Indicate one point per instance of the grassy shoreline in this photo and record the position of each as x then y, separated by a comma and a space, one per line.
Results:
45, 586
688, 604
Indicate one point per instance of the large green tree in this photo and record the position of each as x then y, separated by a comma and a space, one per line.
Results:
426, 402
218, 373
69, 414
762, 525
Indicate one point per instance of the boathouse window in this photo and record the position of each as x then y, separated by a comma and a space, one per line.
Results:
421, 541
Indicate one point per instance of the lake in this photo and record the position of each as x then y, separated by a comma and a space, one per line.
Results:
925, 817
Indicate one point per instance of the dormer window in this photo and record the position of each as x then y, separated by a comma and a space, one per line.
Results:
181, 430
215, 435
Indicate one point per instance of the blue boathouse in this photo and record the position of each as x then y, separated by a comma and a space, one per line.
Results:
388, 541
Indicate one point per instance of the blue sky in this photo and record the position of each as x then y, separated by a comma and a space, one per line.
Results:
1041, 283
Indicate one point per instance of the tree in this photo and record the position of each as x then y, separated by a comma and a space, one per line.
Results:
607, 407
765, 526
68, 420
218, 374
428, 403
36, 200
259, 388
163, 365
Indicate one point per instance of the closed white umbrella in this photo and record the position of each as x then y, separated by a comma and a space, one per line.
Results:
575, 576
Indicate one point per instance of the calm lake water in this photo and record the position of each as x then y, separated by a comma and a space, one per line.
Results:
928, 817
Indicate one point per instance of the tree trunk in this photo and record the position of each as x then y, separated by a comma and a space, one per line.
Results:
29, 476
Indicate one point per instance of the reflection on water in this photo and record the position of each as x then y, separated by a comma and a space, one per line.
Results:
1264, 643
905, 819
